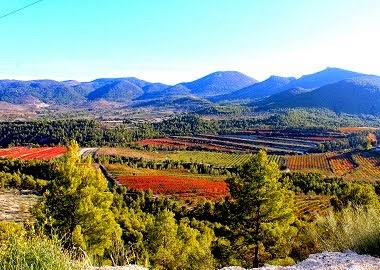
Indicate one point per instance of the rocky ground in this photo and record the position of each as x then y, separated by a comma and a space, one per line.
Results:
328, 261
322, 261
15, 204
128, 267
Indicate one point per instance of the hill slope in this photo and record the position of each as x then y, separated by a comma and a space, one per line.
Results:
275, 84
272, 85
356, 96
219, 83
324, 77
217, 86
46, 91
280, 97
119, 91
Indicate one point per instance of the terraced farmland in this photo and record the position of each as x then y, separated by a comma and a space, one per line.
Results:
313, 163
250, 143
367, 166
308, 207
341, 164
349, 165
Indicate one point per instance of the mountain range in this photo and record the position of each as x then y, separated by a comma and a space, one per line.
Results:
337, 89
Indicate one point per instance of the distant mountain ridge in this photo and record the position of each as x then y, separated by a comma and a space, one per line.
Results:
332, 88
275, 84
360, 95
219, 83
46, 91
272, 85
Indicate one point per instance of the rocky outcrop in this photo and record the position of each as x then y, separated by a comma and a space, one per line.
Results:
328, 261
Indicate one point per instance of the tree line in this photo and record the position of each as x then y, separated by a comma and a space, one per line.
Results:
91, 133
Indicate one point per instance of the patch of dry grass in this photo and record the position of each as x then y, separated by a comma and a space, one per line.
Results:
15, 205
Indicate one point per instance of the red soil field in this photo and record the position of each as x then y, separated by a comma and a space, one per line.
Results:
32, 153
308, 162
341, 164
176, 185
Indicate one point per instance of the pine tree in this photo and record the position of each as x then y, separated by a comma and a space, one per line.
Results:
77, 205
263, 209
178, 246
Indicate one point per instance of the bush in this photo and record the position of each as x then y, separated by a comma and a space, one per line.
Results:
356, 229
9, 230
35, 253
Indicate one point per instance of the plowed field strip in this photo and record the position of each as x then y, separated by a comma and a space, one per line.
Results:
176, 185
32, 153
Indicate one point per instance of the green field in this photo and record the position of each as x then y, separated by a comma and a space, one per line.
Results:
206, 157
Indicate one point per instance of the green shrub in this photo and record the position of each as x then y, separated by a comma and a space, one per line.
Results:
9, 230
35, 253
356, 229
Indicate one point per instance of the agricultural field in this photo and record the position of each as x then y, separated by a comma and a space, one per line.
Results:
129, 152
300, 134
279, 142
173, 182
214, 158
184, 185
248, 144
180, 186
349, 165
217, 158
367, 166
357, 129
28, 153
222, 159
308, 207
186, 143
341, 163
168, 142
312, 163
117, 170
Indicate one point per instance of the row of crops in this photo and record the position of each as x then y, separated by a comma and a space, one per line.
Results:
310, 206
250, 143
350, 165
27, 153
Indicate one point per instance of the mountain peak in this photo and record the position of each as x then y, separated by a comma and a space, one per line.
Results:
274, 78
225, 73
220, 82
327, 76
359, 95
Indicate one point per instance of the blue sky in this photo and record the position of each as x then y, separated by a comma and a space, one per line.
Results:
181, 40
